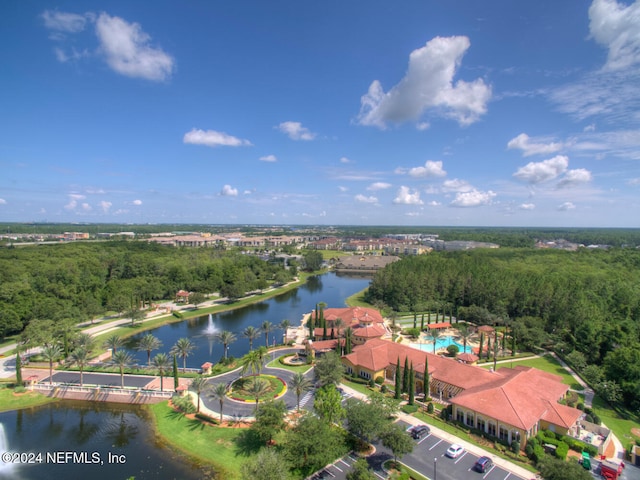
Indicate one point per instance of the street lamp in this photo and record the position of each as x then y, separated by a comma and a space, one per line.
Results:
435, 471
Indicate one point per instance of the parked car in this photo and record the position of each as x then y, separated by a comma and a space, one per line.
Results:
419, 431
454, 451
483, 464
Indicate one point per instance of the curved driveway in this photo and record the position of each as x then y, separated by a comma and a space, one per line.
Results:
239, 410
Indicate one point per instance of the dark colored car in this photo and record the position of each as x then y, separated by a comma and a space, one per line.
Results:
483, 464
420, 431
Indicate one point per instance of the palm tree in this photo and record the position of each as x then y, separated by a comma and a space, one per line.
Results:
218, 391
84, 340
463, 329
300, 384
258, 388
434, 333
122, 358
113, 342
198, 384
226, 337
51, 353
161, 362
266, 327
252, 362
183, 348
148, 343
284, 325
251, 333
80, 357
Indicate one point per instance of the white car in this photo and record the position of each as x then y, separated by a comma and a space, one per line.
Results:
454, 451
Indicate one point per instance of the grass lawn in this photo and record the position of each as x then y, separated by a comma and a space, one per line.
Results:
546, 363
391, 465
292, 368
357, 300
621, 427
364, 389
11, 401
210, 445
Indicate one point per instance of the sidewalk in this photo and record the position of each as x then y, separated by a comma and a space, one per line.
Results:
501, 462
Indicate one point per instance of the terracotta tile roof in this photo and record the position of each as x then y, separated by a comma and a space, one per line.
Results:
439, 325
351, 316
369, 331
467, 357
322, 345
520, 397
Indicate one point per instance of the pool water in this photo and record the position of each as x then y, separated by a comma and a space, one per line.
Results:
441, 343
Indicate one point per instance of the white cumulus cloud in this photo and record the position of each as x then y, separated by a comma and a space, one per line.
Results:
524, 142
228, 191
296, 131
137, 202
269, 158
538, 172
65, 21
575, 177
456, 185
406, 197
105, 206
527, 206
617, 27
430, 169
3, 201
73, 200
344, 160
365, 199
378, 186
473, 198
211, 138
566, 206
128, 51
428, 85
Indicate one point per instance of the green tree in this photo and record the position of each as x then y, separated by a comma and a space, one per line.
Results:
267, 464
361, 471
269, 420
257, 388
300, 384
19, 369
311, 444
176, 380
388, 406
51, 353
412, 382
252, 362
80, 357
398, 387
148, 343
225, 338
183, 348
313, 260
197, 385
434, 333
121, 359
328, 404
329, 369
554, 469
364, 420
197, 298
405, 376
266, 327
396, 439
135, 315
113, 342
218, 391
161, 362
251, 333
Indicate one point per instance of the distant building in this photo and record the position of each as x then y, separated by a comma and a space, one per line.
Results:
364, 263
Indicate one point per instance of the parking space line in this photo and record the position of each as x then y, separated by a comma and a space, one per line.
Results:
460, 457
436, 444
347, 464
337, 467
424, 439
508, 475
379, 475
490, 470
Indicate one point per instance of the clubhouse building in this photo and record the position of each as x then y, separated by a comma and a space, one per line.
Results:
511, 404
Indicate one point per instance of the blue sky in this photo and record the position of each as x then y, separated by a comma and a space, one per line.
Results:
495, 113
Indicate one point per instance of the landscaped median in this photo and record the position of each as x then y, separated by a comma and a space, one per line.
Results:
244, 390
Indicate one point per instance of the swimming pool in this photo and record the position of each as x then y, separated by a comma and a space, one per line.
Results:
441, 343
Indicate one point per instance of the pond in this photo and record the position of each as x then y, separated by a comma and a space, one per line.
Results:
331, 288
88, 440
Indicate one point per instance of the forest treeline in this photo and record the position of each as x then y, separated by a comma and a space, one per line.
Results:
79, 281
584, 304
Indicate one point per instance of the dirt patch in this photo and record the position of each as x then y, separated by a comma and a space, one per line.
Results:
635, 431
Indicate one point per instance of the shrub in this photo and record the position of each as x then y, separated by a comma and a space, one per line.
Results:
379, 380
359, 380
562, 450
538, 453
19, 389
383, 388
430, 407
580, 406
515, 447
452, 350
177, 314
207, 418
409, 408
183, 404
372, 383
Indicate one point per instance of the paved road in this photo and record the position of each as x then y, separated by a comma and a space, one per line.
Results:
105, 379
